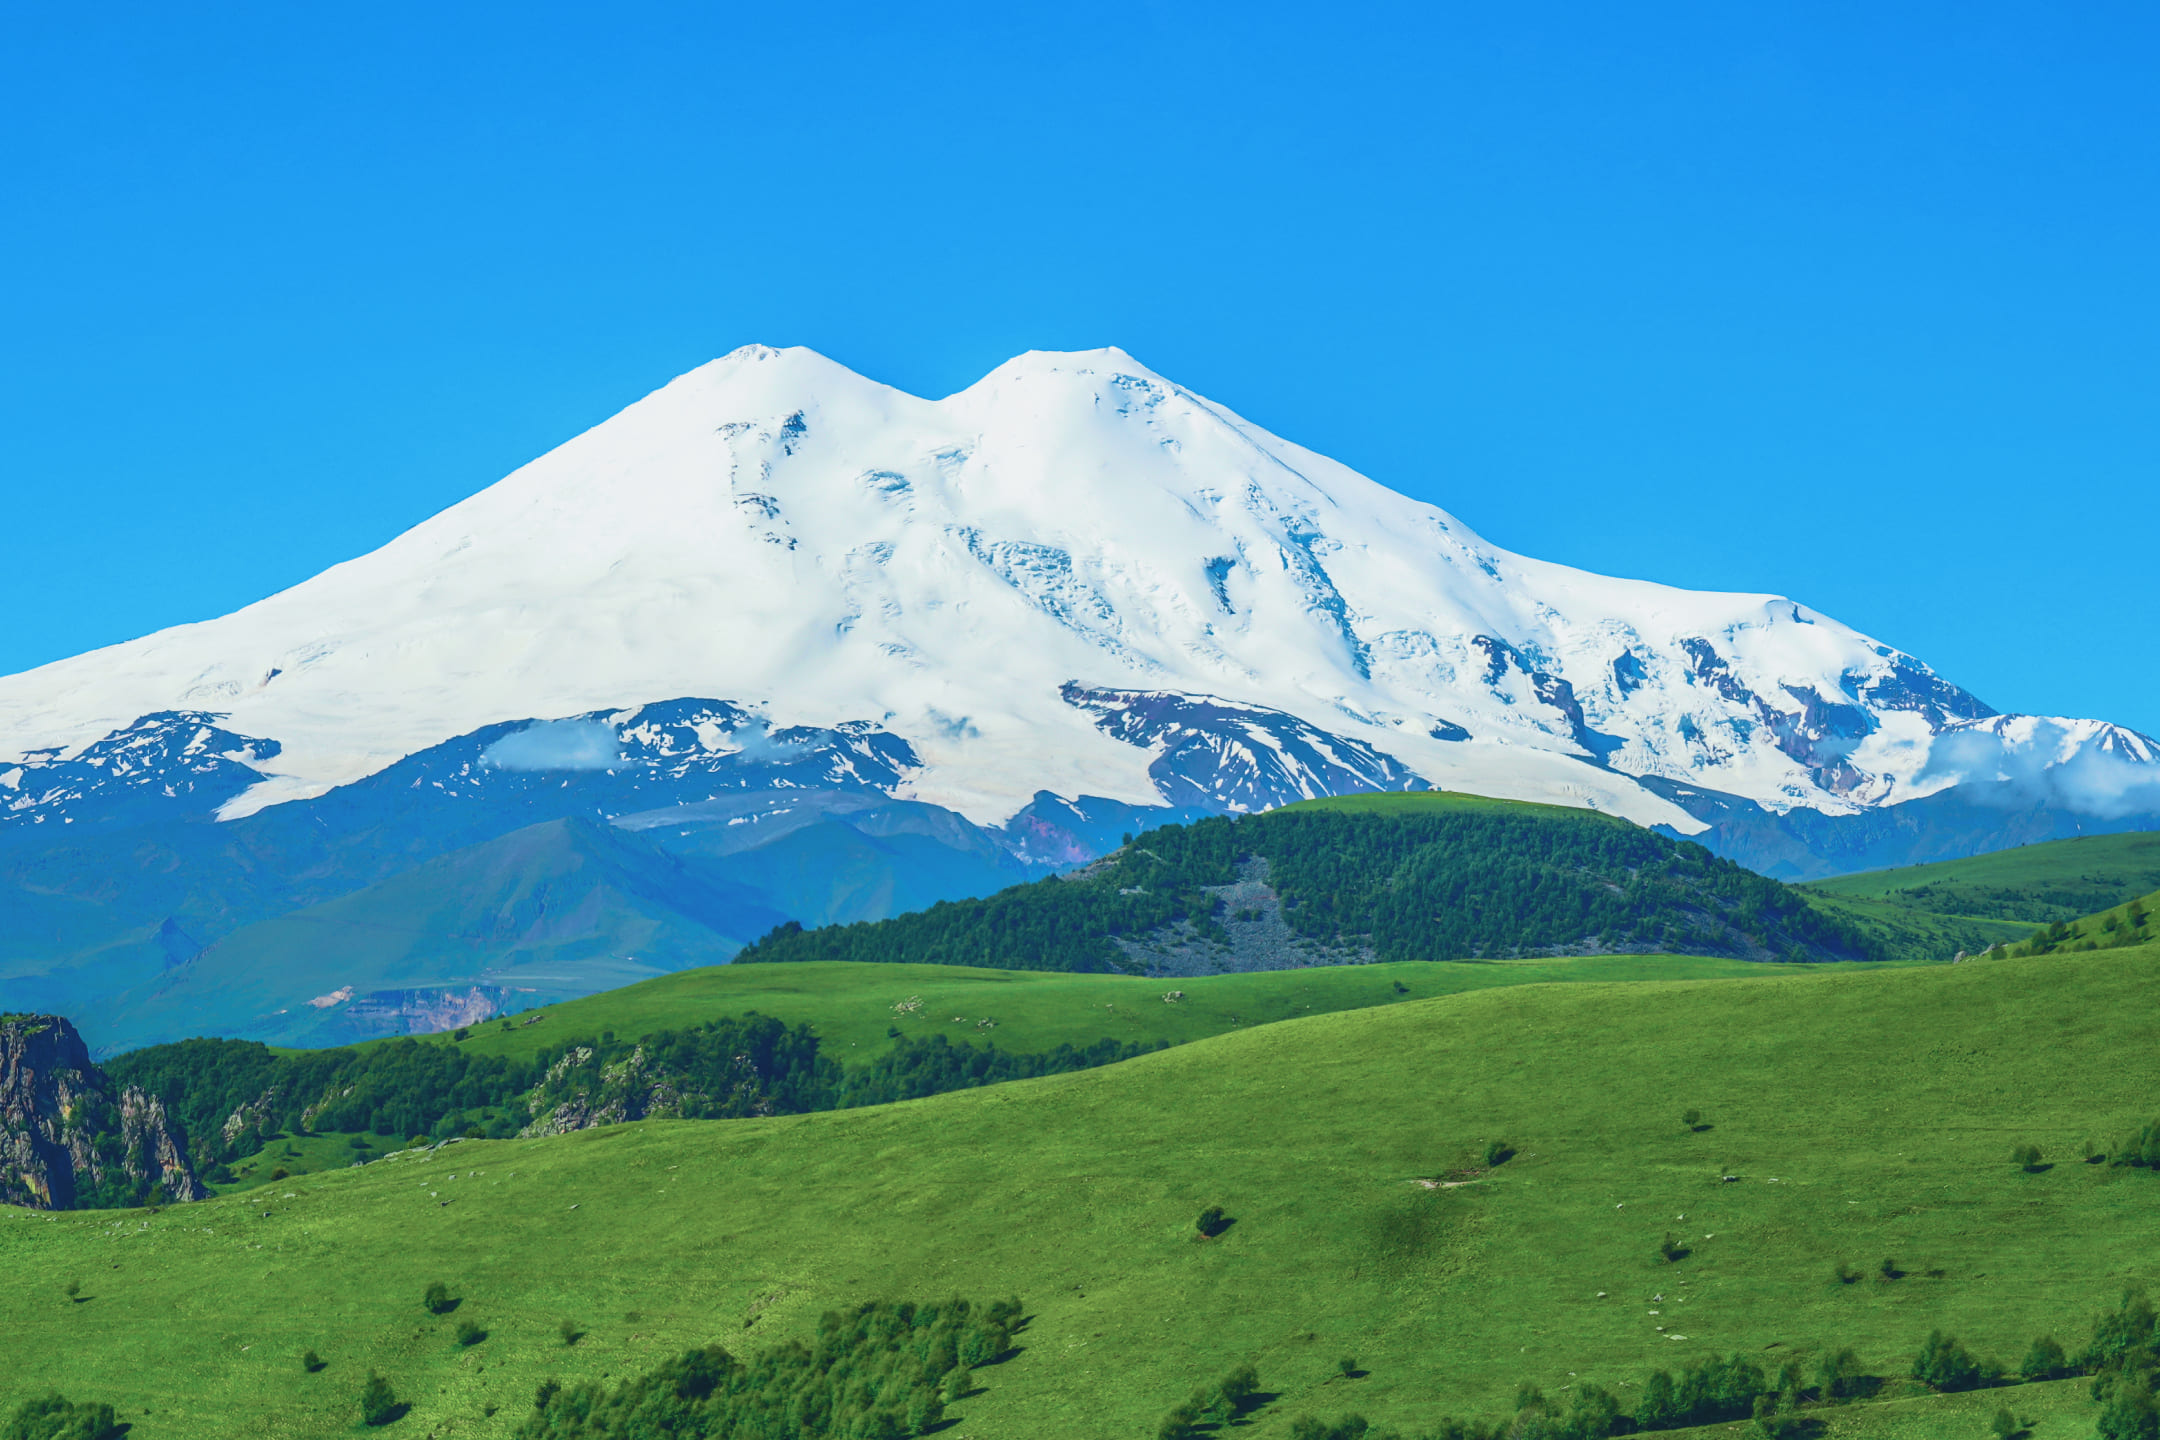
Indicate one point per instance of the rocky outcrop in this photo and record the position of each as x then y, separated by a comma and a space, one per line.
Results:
68, 1139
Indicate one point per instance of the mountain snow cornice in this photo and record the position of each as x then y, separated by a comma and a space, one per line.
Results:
1073, 576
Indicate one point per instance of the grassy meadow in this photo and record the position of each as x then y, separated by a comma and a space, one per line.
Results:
1866, 1114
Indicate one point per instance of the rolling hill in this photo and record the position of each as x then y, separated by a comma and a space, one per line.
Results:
1420, 876
1842, 1118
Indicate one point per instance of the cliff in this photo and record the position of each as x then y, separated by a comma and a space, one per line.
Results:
68, 1139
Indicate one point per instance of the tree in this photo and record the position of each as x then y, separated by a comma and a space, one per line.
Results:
2045, 1360
1182, 1423
1212, 1222
1837, 1375
1348, 1366
56, 1418
2027, 1158
438, 1299
378, 1403
1498, 1153
570, 1332
311, 1362
1945, 1364
2129, 1413
1691, 1117
1656, 1409
469, 1333
958, 1384
1672, 1250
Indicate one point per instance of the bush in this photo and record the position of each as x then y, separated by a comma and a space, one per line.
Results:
1671, 1250
2026, 1158
2002, 1424
1234, 1393
1347, 1367
312, 1362
2129, 1413
1837, 1374
1692, 1118
1499, 1152
438, 1300
1944, 1364
1350, 1427
378, 1403
1182, 1423
469, 1333
1212, 1222
570, 1332
56, 1418
958, 1384
281, 1173
2045, 1360
1845, 1274
1889, 1270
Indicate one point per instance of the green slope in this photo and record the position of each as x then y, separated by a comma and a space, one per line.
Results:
854, 1006
1867, 1114
2031, 885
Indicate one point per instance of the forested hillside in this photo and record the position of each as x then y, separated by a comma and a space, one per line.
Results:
1397, 877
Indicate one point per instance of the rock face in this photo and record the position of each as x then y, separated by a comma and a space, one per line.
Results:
67, 1140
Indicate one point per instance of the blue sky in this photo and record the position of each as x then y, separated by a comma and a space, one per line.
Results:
1854, 303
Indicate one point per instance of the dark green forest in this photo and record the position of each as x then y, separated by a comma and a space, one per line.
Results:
230, 1096
1444, 884
879, 1372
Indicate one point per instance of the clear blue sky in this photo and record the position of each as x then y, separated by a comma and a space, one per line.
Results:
1859, 303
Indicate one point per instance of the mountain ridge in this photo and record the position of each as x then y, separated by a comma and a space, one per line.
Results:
781, 534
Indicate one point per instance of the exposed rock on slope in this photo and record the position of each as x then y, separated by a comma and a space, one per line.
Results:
67, 1140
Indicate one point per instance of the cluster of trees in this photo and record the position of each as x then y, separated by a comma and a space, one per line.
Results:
55, 1418
882, 1371
2129, 925
1459, 884
231, 1096
2122, 1357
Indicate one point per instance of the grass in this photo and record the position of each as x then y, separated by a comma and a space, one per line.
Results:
2030, 885
852, 1006
1867, 1114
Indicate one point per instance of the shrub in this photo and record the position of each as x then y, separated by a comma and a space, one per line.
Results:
469, 1333
280, 1173
1845, 1274
312, 1362
547, 1392
1671, 1250
570, 1332
1182, 1423
378, 1403
2002, 1424
1234, 1392
72, 1289
2045, 1360
1212, 1222
438, 1299
1691, 1117
56, 1418
1347, 1367
2026, 1158
1499, 1152
959, 1383
1944, 1364
1889, 1270
1837, 1375
2129, 1413
1350, 1427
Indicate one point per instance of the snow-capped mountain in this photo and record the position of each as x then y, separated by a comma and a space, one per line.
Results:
1073, 577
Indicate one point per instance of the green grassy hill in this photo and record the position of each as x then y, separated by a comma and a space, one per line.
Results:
860, 1013
2031, 885
1865, 1115
1393, 877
